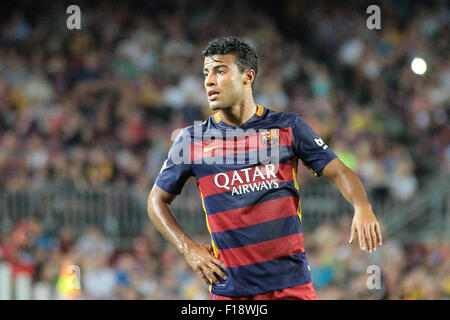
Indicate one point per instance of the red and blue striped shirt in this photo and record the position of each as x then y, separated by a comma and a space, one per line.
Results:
246, 176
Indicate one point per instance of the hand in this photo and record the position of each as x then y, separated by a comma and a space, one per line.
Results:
368, 229
202, 260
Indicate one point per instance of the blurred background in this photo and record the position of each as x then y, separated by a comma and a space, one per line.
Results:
86, 118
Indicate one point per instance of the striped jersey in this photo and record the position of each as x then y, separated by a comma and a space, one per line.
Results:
246, 176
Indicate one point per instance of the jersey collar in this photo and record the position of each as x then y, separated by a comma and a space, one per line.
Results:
259, 112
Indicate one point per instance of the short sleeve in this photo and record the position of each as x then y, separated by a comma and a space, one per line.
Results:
177, 168
309, 147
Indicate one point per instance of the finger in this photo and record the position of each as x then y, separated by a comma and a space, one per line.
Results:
373, 236
352, 234
218, 262
218, 271
378, 231
208, 273
204, 278
368, 237
361, 238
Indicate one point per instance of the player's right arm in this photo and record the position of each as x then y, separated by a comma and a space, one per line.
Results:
169, 183
197, 256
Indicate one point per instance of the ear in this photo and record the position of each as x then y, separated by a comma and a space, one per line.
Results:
249, 76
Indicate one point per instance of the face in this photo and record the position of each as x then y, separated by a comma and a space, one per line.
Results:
224, 83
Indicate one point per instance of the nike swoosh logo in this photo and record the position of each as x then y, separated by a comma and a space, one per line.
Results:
208, 148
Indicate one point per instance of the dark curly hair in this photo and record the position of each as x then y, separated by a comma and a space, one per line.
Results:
245, 55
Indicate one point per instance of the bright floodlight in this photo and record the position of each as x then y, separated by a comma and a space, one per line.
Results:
419, 66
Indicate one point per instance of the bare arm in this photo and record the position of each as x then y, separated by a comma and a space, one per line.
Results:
364, 221
199, 257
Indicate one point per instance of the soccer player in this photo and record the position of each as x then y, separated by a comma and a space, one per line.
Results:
244, 159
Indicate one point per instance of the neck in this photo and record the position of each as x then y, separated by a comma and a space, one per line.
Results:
240, 113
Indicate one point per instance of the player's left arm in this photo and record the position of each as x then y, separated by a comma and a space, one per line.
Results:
364, 223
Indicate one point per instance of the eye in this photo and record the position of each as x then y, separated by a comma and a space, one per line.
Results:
221, 72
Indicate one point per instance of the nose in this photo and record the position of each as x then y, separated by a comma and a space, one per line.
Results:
210, 80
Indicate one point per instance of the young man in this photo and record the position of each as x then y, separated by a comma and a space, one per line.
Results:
245, 159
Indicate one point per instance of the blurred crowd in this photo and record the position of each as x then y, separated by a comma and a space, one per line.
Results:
153, 269
98, 106
406, 271
149, 269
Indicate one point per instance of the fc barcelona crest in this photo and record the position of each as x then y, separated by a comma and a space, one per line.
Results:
270, 137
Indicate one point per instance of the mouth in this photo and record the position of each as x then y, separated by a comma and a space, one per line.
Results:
212, 95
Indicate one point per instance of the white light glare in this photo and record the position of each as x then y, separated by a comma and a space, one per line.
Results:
418, 66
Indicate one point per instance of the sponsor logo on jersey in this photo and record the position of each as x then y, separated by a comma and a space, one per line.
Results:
248, 180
